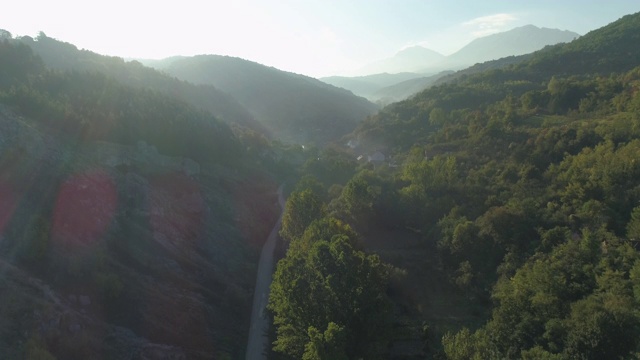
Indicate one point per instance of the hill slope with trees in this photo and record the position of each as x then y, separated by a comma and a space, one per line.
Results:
67, 57
508, 205
130, 221
294, 108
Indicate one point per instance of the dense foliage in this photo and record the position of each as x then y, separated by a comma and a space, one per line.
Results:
328, 297
524, 181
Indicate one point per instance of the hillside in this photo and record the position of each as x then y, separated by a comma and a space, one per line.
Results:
493, 51
507, 205
67, 57
518, 41
600, 51
414, 59
405, 89
492, 81
294, 108
130, 221
368, 85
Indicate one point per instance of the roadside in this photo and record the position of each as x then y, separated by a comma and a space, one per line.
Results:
258, 339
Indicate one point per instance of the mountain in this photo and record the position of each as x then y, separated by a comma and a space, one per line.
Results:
482, 67
517, 202
64, 56
518, 41
412, 59
130, 220
368, 85
599, 52
405, 89
294, 108
425, 68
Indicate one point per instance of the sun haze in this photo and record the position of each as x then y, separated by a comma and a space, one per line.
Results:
314, 37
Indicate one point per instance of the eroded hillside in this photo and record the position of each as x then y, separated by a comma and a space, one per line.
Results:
113, 247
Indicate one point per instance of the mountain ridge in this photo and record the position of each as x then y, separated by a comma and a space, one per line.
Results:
115, 198
293, 107
521, 40
520, 175
67, 57
515, 42
411, 59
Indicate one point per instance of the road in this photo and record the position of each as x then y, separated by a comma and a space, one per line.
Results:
258, 340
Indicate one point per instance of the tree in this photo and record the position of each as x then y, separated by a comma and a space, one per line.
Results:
325, 229
310, 182
468, 346
301, 209
357, 201
633, 227
437, 117
576, 302
602, 326
326, 346
5, 35
331, 283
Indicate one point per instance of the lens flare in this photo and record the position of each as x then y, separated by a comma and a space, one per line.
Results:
8, 201
84, 208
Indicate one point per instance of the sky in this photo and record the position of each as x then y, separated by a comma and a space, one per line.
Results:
312, 37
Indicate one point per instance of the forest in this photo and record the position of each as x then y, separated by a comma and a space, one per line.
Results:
520, 186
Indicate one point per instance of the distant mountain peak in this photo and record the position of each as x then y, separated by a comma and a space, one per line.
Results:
411, 59
417, 50
517, 41
530, 29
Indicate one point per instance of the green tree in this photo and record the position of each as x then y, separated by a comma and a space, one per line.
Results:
329, 345
601, 327
324, 230
332, 282
538, 353
633, 227
437, 117
301, 209
310, 182
466, 345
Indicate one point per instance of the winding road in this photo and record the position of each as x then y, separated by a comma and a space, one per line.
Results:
258, 339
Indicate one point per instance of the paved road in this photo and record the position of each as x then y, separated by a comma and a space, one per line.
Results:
258, 340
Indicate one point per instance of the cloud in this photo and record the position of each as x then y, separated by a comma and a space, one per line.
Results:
487, 25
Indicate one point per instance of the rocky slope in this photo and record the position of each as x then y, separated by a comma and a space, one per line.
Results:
120, 252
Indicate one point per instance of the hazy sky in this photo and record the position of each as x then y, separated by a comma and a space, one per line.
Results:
312, 37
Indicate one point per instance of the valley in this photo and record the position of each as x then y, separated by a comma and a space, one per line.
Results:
479, 205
